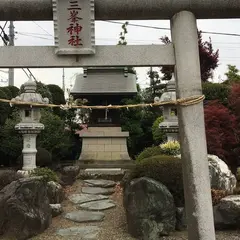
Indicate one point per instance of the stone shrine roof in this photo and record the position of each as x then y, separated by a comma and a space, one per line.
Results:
105, 81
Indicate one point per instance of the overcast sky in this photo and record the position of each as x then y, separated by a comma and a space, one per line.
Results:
41, 33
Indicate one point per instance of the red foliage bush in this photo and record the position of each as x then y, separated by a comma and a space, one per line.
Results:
234, 100
221, 133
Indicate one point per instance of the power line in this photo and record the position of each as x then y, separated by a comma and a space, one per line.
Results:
43, 29
25, 72
162, 28
5, 37
31, 74
31, 35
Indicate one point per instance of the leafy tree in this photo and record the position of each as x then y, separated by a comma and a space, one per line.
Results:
7, 91
131, 122
11, 140
233, 75
138, 121
158, 135
14, 91
55, 137
221, 133
44, 91
208, 59
57, 94
155, 88
58, 99
216, 91
4, 108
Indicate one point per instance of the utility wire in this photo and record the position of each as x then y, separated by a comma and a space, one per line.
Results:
31, 35
152, 41
162, 28
4, 40
43, 29
31, 74
25, 72
5, 37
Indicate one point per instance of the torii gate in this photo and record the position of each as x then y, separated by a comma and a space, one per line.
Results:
183, 53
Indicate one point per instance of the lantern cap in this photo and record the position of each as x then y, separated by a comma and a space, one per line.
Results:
30, 86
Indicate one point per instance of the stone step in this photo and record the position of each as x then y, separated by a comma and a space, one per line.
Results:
83, 198
83, 233
100, 183
85, 216
97, 205
98, 190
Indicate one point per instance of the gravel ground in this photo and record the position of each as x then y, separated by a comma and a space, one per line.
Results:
114, 225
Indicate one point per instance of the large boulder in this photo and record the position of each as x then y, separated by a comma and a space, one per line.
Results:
69, 174
56, 209
24, 207
55, 192
220, 175
150, 209
227, 213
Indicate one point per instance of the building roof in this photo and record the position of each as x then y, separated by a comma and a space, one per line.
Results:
105, 81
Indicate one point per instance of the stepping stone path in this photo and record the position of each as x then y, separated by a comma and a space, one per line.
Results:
83, 198
83, 233
85, 216
98, 205
100, 183
98, 190
93, 199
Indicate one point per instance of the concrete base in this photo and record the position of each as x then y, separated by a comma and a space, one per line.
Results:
104, 144
106, 164
25, 173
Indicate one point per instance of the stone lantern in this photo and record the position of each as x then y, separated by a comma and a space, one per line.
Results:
170, 123
29, 126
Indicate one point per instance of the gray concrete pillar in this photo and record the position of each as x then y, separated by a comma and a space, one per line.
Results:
192, 129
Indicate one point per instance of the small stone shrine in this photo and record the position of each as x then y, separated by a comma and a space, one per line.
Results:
170, 123
29, 126
104, 140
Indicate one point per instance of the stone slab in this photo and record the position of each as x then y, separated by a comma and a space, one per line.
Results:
83, 233
85, 216
98, 205
98, 190
100, 183
83, 198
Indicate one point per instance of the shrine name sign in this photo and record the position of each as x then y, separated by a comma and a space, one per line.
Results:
74, 27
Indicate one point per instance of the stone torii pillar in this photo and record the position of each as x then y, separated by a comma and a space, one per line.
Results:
192, 130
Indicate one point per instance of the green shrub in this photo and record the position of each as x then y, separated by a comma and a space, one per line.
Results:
47, 174
14, 91
7, 91
162, 168
170, 148
8, 176
149, 152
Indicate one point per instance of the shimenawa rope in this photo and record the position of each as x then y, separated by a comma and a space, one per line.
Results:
182, 102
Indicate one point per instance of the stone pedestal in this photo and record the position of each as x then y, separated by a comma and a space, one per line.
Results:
104, 143
105, 147
29, 152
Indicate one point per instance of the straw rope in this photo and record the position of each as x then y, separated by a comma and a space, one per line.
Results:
182, 102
